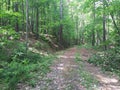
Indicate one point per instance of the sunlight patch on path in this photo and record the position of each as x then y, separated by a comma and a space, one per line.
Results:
66, 57
108, 83
107, 80
61, 66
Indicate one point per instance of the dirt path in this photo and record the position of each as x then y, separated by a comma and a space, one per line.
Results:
64, 74
107, 81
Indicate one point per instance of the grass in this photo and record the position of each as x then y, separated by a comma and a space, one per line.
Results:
87, 80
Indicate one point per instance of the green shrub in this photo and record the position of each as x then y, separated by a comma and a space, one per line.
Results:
16, 72
109, 60
17, 67
6, 35
37, 45
34, 57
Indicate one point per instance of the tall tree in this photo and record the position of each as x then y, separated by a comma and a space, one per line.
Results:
16, 10
93, 31
27, 25
61, 25
37, 22
104, 26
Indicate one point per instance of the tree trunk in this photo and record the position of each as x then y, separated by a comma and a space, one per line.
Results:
104, 27
32, 21
8, 5
26, 26
61, 25
37, 23
23, 12
93, 31
16, 25
77, 32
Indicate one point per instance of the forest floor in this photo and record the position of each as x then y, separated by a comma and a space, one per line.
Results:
65, 73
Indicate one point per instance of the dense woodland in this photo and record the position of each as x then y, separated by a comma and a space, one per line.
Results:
60, 24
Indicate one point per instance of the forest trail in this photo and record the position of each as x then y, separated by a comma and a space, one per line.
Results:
64, 74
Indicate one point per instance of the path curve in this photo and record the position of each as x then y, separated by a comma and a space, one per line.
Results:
64, 74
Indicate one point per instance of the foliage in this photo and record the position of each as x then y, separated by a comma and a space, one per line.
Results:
19, 67
109, 60
6, 35
14, 73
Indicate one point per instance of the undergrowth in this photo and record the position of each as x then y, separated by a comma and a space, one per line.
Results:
107, 60
17, 67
